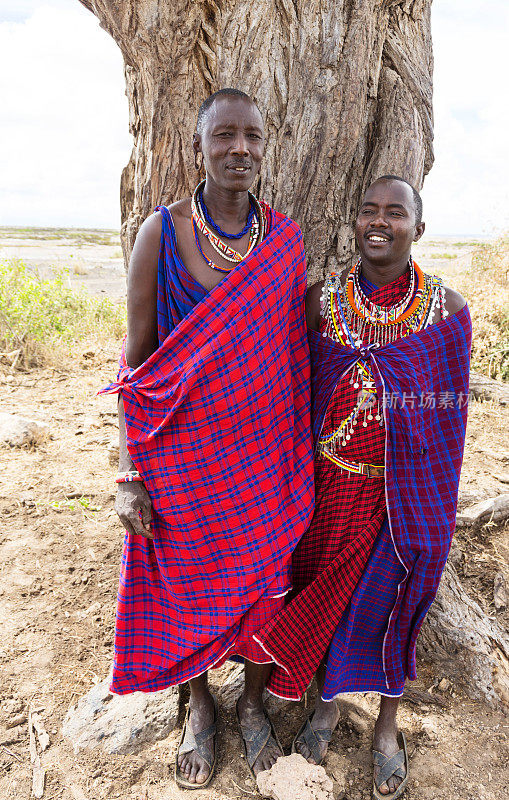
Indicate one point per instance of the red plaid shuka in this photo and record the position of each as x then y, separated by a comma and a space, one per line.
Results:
218, 425
346, 570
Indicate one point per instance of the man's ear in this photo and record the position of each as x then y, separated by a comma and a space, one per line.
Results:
419, 230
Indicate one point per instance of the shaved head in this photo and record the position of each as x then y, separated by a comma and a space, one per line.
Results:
416, 195
209, 102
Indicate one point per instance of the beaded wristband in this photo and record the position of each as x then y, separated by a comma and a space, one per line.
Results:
127, 477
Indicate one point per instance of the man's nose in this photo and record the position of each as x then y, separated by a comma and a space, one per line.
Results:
239, 145
379, 220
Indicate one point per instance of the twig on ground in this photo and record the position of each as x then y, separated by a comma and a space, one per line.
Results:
41, 732
242, 789
11, 753
38, 773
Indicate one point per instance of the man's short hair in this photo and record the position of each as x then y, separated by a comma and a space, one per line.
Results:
417, 196
206, 105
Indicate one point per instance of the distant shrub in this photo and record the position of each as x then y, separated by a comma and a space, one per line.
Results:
75, 236
38, 316
487, 290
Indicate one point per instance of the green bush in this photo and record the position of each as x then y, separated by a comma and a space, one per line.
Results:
39, 316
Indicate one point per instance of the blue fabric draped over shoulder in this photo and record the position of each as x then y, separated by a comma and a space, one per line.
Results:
177, 291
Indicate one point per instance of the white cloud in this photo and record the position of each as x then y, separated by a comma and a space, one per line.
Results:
20, 10
467, 189
64, 119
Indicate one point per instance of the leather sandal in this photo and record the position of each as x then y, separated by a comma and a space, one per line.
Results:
190, 742
396, 765
313, 739
255, 740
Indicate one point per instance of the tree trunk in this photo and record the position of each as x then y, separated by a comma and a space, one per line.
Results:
465, 644
345, 87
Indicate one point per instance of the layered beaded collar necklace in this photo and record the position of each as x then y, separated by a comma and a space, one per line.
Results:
352, 318
203, 222
384, 315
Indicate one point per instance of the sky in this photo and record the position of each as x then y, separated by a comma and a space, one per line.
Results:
64, 118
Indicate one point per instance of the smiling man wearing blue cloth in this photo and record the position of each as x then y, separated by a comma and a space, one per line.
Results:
390, 349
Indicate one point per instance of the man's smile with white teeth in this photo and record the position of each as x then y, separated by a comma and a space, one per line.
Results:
375, 237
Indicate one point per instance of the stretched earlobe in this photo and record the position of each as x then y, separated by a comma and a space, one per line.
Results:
419, 231
198, 163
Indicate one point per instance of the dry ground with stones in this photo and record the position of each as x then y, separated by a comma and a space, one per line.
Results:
60, 546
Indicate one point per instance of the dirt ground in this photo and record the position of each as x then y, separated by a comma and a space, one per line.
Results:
60, 545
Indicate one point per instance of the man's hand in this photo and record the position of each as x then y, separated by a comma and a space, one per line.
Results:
134, 508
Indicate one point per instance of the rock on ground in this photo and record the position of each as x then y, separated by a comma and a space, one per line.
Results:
494, 509
231, 688
121, 723
17, 431
484, 388
292, 778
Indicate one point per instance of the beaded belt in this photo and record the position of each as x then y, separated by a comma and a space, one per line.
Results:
370, 470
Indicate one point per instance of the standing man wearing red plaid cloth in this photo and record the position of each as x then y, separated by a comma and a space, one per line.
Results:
215, 483
387, 344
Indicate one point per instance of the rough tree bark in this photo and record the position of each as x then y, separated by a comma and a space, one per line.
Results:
465, 644
345, 87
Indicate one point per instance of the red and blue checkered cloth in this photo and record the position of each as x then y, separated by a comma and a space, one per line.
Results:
218, 424
370, 601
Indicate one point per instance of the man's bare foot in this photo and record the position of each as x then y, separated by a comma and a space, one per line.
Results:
201, 716
325, 717
385, 741
253, 716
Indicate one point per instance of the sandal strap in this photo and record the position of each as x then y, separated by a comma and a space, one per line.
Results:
389, 766
196, 742
256, 740
313, 738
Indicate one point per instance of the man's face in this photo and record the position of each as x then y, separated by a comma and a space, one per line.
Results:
385, 227
232, 143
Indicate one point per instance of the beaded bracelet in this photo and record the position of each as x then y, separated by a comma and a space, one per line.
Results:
127, 477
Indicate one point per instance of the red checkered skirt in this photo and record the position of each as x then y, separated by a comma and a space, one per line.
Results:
328, 563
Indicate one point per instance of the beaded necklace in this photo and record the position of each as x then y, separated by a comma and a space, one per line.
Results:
362, 322
214, 225
200, 216
384, 324
384, 315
